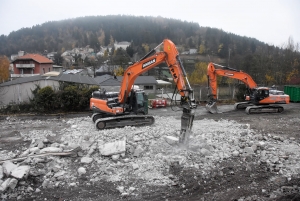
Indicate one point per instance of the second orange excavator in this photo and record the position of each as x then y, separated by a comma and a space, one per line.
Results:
257, 99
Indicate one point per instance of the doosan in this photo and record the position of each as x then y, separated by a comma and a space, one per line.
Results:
148, 63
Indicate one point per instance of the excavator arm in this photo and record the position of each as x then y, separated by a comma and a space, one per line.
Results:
212, 73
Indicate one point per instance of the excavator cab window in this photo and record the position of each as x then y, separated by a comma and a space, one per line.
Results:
141, 102
140, 99
264, 93
260, 94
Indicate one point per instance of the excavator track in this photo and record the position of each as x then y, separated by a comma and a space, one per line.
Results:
264, 109
122, 121
242, 105
96, 116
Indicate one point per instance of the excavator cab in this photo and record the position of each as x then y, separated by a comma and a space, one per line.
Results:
259, 94
137, 102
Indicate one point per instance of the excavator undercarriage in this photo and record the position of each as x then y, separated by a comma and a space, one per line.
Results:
249, 107
122, 121
255, 109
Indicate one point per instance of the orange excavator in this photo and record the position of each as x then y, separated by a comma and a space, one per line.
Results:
128, 107
258, 99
